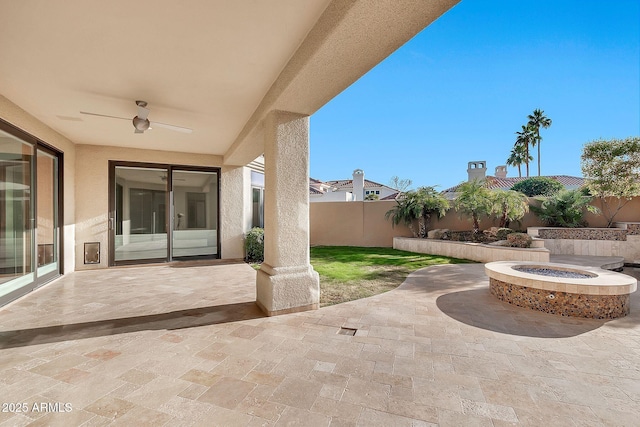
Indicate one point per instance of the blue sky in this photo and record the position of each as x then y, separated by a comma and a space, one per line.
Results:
459, 90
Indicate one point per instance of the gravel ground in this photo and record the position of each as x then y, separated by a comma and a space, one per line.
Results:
554, 273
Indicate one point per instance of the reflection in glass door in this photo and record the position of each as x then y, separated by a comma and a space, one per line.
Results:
195, 207
140, 213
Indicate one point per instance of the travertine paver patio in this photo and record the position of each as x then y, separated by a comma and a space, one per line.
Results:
186, 346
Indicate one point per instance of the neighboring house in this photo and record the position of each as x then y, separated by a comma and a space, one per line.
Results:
477, 170
226, 82
347, 190
323, 192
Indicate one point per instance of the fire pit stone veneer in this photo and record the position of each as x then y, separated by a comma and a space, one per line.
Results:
598, 294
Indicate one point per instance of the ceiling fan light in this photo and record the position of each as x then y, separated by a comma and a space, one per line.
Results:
141, 124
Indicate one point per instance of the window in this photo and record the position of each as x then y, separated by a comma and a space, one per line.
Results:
257, 199
258, 207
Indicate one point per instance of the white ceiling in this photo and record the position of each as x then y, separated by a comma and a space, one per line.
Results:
201, 64
215, 66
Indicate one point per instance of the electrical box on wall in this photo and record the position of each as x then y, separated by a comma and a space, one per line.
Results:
92, 253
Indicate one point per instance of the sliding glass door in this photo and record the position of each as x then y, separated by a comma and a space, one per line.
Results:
162, 212
29, 214
140, 216
195, 219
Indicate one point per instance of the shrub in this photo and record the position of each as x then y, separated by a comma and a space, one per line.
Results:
254, 245
503, 233
565, 209
538, 186
519, 240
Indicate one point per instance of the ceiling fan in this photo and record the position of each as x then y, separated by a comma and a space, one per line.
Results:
141, 122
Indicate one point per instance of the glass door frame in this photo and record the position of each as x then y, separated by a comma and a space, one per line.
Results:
39, 145
169, 218
40, 280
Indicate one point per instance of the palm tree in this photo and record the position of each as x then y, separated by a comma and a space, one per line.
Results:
406, 210
509, 205
421, 205
524, 138
538, 120
433, 204
474, 200
517, 157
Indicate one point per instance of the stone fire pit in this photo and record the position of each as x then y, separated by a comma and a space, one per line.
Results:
564, 289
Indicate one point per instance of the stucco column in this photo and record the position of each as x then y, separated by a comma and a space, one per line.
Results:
286, 282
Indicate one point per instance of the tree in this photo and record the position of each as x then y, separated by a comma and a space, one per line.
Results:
509, 206
474, 200
524, 138
405, 211
538, 186
399, 184
612, 171
419, 205
372, 196
538, 120
433, 203
517, 157
565, 209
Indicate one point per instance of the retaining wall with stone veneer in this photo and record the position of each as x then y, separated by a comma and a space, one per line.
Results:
633, 228
591, 242
562, 303
616, 234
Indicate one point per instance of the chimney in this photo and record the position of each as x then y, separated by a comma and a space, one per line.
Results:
477, 170
358, 185
501, 171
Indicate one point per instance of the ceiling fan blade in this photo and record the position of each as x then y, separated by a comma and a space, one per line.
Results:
171, 127
104, 115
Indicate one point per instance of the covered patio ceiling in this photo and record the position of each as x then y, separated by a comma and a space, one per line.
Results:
216, 67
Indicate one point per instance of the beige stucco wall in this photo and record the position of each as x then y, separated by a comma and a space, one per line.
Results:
14, 115
92, 195
629, 213
353, 224
363, 223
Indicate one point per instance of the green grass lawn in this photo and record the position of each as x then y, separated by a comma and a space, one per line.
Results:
348, 273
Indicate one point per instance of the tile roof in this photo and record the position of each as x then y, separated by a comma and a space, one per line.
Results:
506, 183
393, 196
348, 183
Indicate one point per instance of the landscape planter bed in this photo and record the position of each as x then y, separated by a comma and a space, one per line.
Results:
472, 251
596, 294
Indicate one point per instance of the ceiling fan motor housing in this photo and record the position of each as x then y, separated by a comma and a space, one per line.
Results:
141, 124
